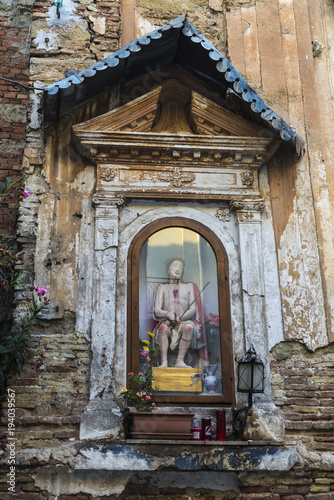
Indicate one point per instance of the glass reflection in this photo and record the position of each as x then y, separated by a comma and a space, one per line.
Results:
178, 306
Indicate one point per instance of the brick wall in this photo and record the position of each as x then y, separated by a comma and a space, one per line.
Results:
304, 390
14, 65
54, 389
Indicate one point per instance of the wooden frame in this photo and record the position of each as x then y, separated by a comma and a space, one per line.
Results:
228, 397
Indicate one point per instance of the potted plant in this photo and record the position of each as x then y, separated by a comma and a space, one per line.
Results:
140, 394
139, 391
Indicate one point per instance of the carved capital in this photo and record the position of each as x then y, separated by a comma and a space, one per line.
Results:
108, 201
248, 205
248, 210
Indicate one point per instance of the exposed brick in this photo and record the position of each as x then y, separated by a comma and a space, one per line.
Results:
293, 497
320, 496
66, 434
74, 497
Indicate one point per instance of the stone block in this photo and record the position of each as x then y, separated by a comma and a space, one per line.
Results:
216, 5
101, 419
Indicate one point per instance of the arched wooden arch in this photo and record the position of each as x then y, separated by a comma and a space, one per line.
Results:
228, 397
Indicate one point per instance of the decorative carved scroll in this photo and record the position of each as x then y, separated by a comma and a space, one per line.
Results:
108, 174
105, 233
177, 178
247, 178
223, 214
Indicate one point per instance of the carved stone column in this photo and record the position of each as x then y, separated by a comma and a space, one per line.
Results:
249, 219
102, 417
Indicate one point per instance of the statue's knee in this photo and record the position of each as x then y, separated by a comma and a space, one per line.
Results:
190, 329
163, 330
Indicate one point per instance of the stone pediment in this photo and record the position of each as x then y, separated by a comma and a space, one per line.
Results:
173, 108
174, 140
136, 116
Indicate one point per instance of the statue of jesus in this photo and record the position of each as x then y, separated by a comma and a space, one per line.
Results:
175, 308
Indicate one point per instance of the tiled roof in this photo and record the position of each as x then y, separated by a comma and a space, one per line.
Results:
177, 42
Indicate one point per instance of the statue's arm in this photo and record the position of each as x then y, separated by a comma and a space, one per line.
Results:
159, 312
191, 312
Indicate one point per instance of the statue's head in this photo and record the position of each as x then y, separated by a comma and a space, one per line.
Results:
175, 267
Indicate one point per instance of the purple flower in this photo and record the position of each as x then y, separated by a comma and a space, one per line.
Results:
26, 193
40, 291
143, 353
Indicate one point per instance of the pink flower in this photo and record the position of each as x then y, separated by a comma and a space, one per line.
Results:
154, 405
26, 193
40, 291
148, 397
140, 394
214, 318
143, 353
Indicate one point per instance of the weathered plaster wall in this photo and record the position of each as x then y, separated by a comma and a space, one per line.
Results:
86, 32
273, 45
207, 16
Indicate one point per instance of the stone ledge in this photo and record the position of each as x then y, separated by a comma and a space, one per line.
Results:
185, 455
218, 444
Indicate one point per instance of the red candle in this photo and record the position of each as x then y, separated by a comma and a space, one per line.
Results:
221, 425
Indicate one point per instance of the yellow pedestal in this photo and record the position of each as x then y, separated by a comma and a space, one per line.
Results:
177, 379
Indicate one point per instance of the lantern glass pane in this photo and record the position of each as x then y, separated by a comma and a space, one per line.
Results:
258, 377
245, 377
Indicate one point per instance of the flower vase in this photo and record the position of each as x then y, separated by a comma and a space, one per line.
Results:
209, 378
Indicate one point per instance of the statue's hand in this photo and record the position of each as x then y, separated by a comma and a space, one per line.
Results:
171, 316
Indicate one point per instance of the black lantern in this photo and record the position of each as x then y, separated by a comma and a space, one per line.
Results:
250, 374
250, 380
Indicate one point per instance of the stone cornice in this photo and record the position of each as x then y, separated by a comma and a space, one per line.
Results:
201, 150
